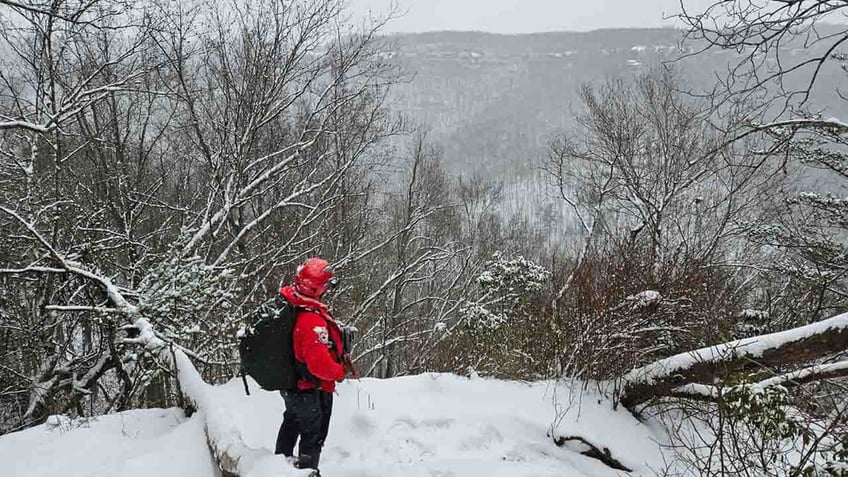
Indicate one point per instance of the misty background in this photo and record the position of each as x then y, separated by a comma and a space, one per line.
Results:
523, 16
492, 83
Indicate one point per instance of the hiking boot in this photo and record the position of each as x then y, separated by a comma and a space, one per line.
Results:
303, 462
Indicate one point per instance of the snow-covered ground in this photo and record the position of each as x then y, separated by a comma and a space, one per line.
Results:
144, 442
426, 425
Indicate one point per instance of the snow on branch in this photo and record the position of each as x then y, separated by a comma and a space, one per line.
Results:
79, 308
676, 374
644, 299
707, 392
232, 454
18, 124
808, 375
833, 124
70, 266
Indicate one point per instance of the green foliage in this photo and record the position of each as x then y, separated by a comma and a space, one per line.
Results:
836, 464
764, 409
769, 421
187, 297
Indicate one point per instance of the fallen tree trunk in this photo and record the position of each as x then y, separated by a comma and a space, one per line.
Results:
234, 456
671, 376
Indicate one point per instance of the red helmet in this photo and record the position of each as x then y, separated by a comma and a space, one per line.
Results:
312, 277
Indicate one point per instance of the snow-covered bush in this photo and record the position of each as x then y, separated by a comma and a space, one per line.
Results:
506, 285
753, 322
187, 297
507, 329
479, 317
192, 304
804, 235
512, 276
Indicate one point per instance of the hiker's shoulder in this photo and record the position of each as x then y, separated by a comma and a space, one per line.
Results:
308, 316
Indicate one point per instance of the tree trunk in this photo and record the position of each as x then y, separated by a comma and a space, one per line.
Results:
790, 347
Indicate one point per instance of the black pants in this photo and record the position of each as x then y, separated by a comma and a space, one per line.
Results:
307, 415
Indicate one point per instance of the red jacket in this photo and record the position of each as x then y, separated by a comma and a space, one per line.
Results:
317, 341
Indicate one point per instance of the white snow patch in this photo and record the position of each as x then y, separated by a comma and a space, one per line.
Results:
644, 298
758, 315
425, 425
139, 443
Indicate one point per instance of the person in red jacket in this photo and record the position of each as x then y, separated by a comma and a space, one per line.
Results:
322, 361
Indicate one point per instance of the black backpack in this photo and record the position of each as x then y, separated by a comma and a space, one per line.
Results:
265, 348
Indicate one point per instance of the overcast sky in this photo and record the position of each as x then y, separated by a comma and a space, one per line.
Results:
524, 16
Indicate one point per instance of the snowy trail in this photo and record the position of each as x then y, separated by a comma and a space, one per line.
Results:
426, 425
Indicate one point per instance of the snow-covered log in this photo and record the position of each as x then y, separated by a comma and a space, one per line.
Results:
676, 375
233, 455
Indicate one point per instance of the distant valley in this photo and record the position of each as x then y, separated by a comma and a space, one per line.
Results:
492, 102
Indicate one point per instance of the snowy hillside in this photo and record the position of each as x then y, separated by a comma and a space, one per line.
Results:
493, 102
426, 425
